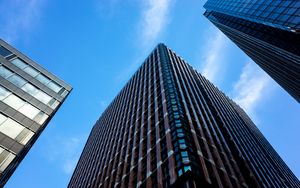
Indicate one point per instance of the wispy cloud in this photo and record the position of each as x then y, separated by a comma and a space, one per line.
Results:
155, 15
18, 17
68, 152
252, 86
214, 56
154, 19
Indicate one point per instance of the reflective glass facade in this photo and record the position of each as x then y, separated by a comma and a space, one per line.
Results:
29, 97
170, 127
277, 13
267, 31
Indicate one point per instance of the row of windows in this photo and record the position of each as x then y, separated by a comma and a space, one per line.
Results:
37, 75
281, 38
22, 106
15, 130
34, 73
5, 159
28, 88
272, 11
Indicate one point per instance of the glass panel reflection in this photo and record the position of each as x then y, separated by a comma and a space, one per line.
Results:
19, 63
42, 79
54, 86
29, 110
11, 128
4, 72
5, 159
30, 89
17, 80
3, 93
31, 71
14, 101
43, 97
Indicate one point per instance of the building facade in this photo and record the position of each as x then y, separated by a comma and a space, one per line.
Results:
170, 127
267, 31
29, 97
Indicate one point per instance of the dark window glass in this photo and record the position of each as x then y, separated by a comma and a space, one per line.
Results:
4, 52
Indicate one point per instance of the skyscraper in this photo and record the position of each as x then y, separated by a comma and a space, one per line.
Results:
29, 97
170, 127
267, 31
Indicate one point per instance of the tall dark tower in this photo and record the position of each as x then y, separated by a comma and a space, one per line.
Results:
170, 127
29, 98
267, 31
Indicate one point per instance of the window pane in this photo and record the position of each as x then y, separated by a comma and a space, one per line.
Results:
43, 97
2, 118
64, 93
29, 110
54, 86
4, 52
19, 63
42, 79
24, 136
27, 138
17, 80
3, 93
4, 72
14, 101
54, 105
30, 89
11, 128
41, 118
6, 161
31, 71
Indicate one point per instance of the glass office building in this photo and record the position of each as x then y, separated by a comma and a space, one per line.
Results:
29, 97
171, 127
268, 31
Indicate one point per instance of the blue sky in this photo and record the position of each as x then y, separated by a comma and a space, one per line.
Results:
97, 45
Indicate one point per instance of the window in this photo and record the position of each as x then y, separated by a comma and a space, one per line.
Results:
54, 104
43, 97
187, 168
11, 128
3, 93
30, 89
52, 85
19, 63
5, 159
4, 72
24, 136
184, 154
14, 101
17, 80
27, 137
2, 118
29, 110
42, 79
4, 52
41, 118
32, 72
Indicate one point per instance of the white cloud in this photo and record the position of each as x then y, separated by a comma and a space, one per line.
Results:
18, 17
151, 24
153, 20
213, 56
252, 86
68, 152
